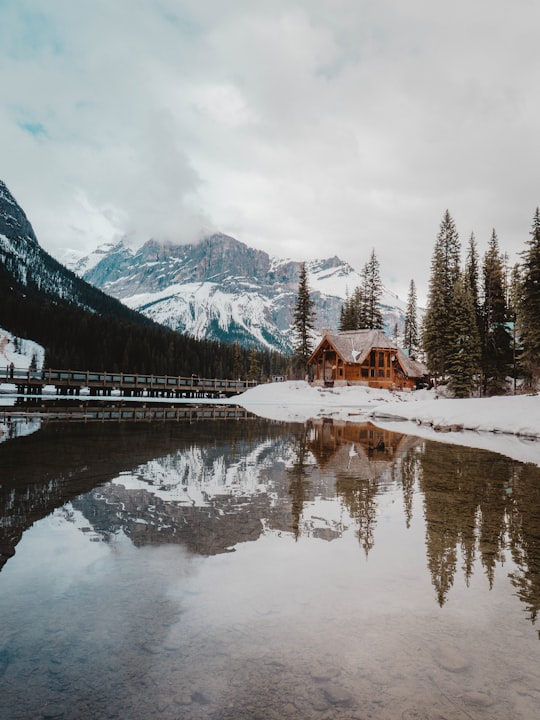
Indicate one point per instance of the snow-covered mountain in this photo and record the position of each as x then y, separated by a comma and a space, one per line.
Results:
222, 289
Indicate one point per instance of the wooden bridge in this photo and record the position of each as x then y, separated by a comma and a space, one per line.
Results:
72, 382
106, 412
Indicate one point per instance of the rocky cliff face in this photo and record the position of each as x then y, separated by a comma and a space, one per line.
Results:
13, 222
222, 289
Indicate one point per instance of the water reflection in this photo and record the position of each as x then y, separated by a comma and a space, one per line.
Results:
254, 569
212, 488
479, 505
64, 461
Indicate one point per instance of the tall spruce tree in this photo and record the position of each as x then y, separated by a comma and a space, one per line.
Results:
254, 369
437, 337
372, 293
530, 305
351, 314
514, 300
472, 278
497, 341
410, 330
303, 320
359, 308
464, 356
345, 313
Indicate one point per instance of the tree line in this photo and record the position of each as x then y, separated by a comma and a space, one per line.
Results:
482, 323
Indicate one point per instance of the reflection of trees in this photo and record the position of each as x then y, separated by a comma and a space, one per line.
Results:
479, 504
360, 497
299, 481
405, 472
524, 532
460, 506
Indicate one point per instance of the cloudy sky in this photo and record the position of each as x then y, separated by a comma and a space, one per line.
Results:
304, 128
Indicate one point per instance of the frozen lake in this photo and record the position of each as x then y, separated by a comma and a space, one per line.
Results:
231, 569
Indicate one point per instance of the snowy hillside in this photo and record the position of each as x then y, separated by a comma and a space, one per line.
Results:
19, 351
222, 289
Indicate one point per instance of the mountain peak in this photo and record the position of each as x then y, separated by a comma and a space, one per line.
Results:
220, 288
13, 222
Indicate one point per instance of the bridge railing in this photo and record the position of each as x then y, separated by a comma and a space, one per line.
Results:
87, 378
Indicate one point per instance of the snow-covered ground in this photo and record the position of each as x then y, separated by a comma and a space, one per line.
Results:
508, 425
19, 351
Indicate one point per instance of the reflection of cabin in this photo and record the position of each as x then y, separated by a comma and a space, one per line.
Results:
363, 357
328, 436
360, 449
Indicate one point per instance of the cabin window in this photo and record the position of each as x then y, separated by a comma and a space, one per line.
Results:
381, 373
372, 372
372, 358
364, 372
340, 372
381, 359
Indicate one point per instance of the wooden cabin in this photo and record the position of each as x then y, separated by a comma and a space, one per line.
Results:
363, 357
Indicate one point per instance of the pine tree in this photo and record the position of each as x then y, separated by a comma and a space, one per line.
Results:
372, 293
303, 320
410, 331
353, 311
237, 361
344, 313
472, 271
437, 337
514, 300
465, 353
359, 311
530, 305
348, 314
496, 346
254, 370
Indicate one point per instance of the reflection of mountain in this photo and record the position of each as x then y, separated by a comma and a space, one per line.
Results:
207, 497
43, 471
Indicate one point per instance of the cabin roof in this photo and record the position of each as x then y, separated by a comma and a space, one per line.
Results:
353, 346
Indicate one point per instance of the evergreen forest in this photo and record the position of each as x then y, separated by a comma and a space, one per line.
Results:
481, 330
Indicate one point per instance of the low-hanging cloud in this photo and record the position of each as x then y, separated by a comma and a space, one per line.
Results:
306, 129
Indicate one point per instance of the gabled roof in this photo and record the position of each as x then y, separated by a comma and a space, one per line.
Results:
413, 368
353, 346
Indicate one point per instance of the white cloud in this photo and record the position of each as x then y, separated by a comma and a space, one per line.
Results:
305, 128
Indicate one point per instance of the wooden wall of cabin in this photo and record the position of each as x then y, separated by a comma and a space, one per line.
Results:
378, 370
375, 370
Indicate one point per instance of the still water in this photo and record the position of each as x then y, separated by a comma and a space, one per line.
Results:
231, 569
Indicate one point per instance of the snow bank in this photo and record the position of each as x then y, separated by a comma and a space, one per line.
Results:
19, 351
507, 425
299, 401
